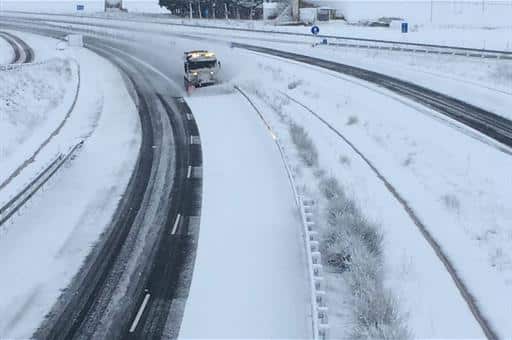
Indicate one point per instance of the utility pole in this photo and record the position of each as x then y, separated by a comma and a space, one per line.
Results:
199, 7
226, 11
190, 9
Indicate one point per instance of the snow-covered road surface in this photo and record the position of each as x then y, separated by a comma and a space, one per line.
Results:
41, 250
6, 52
250, 274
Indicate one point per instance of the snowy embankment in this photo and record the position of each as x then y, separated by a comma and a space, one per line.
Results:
36, 102
250, 273
44, 245
450, 180
6, 52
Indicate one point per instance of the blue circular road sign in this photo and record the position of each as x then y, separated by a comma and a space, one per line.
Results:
315, 30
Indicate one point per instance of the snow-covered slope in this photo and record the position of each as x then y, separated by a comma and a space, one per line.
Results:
34, 101
469, 13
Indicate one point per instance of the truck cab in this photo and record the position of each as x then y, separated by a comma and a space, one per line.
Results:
201, 69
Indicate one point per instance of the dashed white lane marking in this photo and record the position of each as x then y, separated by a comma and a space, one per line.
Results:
189, 172
139, 313
176, 223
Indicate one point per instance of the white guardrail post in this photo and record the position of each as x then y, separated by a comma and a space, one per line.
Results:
306, 207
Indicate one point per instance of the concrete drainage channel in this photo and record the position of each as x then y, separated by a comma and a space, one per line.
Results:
320, 320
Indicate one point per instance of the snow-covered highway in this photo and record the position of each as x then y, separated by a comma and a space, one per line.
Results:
249, 276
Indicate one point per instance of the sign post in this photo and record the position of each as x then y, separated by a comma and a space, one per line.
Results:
315, 30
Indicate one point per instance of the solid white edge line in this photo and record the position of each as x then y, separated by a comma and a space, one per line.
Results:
139, 313
175, 227
189, 171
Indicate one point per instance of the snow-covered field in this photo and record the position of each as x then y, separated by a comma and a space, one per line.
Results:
467, 13
44, 245
250, 273
6, 52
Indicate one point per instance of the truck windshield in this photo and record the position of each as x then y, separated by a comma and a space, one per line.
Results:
194, 65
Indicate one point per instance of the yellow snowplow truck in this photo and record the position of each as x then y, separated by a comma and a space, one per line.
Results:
201, 69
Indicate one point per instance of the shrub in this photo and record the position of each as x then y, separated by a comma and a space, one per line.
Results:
352, 120
305, 147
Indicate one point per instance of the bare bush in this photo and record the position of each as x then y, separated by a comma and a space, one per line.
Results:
451, 202
352, 120
306, 148
354, 245
345, 160
408, 160
294, 84
503, 71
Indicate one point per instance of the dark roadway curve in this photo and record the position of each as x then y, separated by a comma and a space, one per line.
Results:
161, 208
23, 53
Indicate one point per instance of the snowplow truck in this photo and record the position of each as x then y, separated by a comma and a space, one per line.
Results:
201, 69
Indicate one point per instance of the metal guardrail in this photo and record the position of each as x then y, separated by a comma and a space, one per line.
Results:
30, 189
320, 321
